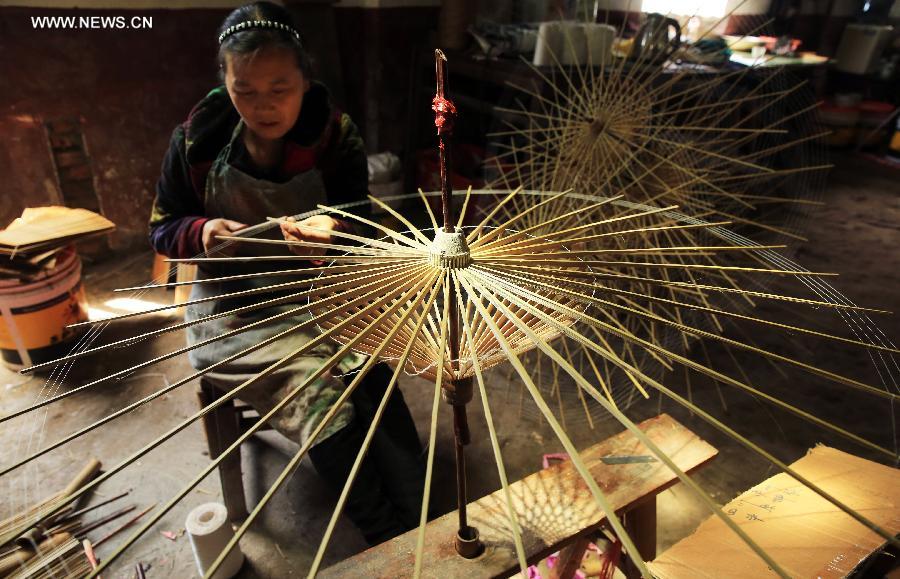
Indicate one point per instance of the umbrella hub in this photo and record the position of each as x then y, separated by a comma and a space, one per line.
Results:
449, 250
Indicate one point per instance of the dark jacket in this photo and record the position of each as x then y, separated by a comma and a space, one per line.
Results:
323, 137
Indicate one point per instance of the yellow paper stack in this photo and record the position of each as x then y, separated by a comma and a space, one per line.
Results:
31, 241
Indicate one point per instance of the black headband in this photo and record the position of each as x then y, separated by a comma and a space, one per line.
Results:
258, 24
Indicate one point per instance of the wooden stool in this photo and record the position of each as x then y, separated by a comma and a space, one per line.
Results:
223, 426
556, 513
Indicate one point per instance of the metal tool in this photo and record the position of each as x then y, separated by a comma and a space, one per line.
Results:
628, 459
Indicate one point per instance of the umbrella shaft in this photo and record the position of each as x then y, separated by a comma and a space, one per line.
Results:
461, 435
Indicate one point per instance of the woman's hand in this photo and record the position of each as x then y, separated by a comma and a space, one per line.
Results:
216, 227
293, 230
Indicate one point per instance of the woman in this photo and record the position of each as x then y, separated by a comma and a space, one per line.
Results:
270, 142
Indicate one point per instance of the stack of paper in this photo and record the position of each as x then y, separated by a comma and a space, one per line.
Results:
32, 241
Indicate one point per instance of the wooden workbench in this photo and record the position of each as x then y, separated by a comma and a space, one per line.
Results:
555, 510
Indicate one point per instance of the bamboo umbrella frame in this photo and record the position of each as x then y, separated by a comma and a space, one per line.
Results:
512, 303
398, 297
632, 128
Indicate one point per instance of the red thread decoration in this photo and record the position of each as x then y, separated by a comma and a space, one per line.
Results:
444, 115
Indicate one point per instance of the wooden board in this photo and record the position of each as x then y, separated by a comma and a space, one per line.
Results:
555, 508
43, 228
804, 533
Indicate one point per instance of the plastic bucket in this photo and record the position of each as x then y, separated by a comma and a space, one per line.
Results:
35, 313
894, 147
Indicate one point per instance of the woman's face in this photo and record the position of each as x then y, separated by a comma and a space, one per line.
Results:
267, 89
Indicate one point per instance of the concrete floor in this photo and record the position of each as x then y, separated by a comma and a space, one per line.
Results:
857, 234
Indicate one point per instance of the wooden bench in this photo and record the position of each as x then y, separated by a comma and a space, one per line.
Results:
556, 511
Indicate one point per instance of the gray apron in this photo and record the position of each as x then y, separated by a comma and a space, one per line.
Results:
232, 194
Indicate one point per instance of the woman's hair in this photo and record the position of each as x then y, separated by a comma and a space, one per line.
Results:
247, 30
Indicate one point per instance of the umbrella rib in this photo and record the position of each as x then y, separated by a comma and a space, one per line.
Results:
607, 354
643, 438
495, 445
747, 443
238, 294
188, 348
432, 437
577, 461
709, 371
354, 470
203, 319
417, 287
276, 273
233, 393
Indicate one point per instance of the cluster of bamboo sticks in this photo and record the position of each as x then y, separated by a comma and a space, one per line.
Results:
524, 292
658, 135
717, 146
57, 546
62, 500
51, 549
518, 292
62, 555
590, 281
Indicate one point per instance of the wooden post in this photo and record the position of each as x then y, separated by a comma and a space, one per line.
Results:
221, 427
640, 522
570, 558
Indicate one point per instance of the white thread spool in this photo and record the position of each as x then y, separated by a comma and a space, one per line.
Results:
574, 50
548, 48
209, 530
599, 40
